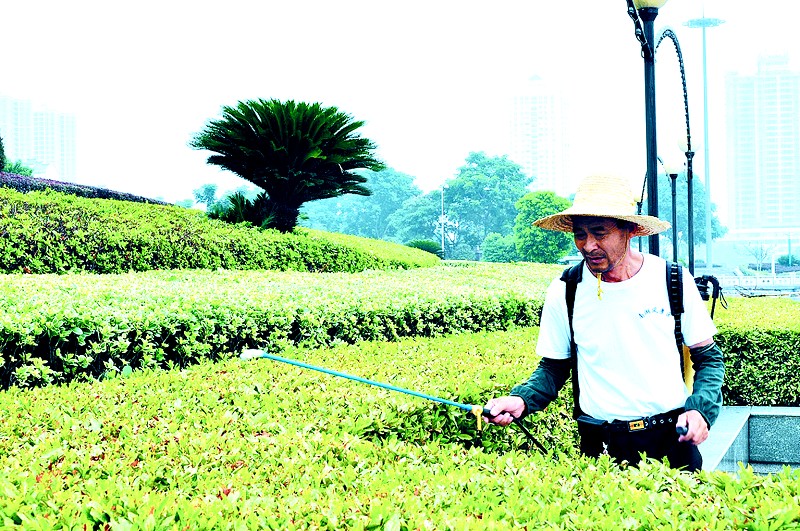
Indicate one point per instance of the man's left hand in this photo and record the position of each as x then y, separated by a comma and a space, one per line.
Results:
698, 428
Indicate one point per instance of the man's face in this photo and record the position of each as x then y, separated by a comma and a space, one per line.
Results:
601, 242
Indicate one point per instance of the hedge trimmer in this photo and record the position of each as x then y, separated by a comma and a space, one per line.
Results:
478, 411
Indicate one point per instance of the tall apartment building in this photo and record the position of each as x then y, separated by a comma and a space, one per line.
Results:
763, 132
41, 138
538, 137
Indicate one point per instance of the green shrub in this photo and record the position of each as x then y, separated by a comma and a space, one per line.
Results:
427, 245
49, 232
259, 445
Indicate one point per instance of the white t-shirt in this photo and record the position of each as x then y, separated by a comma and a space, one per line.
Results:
628, 364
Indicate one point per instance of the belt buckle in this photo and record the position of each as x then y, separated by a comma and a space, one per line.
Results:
636, 425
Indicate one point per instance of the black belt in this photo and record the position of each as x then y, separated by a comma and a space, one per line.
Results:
645, 423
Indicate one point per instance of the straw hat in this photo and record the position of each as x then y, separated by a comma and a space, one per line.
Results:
607, 197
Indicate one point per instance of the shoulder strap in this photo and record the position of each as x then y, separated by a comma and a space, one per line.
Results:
572, 277
675, 290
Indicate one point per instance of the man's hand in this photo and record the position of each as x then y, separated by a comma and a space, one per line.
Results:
505, 409
698, 428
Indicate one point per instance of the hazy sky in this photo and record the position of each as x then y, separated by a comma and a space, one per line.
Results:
430, 78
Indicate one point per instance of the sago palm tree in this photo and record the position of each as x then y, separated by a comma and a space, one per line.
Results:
295, 152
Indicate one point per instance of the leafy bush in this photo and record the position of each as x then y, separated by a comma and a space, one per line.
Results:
49, 232
60, 328
84, 325
427, 245
259, 445
25, 182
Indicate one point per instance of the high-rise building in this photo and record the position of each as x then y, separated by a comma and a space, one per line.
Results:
763, 131
538, 137
40, 138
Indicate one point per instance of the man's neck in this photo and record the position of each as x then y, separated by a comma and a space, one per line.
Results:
630, 265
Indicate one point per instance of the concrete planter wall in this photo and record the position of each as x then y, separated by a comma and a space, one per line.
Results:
766, 438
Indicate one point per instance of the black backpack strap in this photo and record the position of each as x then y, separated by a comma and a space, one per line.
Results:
572, 277
675, 290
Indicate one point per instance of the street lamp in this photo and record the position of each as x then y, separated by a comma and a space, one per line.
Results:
647, 11
442, 220
685, 145
706, 23
671, 168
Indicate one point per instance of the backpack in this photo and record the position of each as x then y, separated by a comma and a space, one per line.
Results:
572, 277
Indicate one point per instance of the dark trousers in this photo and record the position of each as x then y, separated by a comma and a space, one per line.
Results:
621, 444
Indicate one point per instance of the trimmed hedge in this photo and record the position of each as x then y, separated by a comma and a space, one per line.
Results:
258, 445
23, 183
49, 232
59, 328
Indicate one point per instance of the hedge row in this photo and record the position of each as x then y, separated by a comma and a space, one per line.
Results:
23, 183
259, 445
59, 328
49, 232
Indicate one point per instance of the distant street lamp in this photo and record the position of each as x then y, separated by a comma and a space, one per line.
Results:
672, 169
442, 220
706, 23
686, 147
647, 11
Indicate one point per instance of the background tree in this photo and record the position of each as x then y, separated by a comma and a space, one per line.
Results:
761, 253
18, 168
682, 209
419, 219
535, 244
2, 155
499, 248
295, 152
367, 216
206, 195
480, 200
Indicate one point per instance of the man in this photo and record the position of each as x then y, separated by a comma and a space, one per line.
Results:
631, 395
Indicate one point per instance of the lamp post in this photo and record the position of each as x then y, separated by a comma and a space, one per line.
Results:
706, 23
646, 11
442, 221
672, 169
686, 146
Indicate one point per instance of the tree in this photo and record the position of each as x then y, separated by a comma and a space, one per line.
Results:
498, 248
535, 244
420, 219
2, 155
18, 168
294, 152
761, 252
367, 216
206, 195
682, 209
480, 200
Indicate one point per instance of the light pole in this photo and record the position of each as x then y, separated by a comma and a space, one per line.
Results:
646, 11
706, 23
442, 220
686, 146
672, 169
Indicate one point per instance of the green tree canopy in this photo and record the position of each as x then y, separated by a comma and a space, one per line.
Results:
498, 248
2, 155
419, 218
206, 194
368, 216
295, 152
480, 200
535, 244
